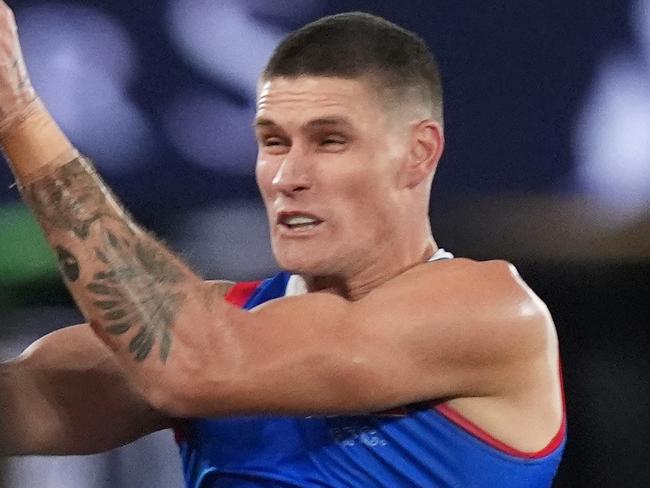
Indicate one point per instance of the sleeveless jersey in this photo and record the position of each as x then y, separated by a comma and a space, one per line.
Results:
417, 446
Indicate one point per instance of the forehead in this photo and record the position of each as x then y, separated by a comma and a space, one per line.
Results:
289, 100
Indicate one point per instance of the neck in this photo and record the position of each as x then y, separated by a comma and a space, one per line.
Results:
388, 266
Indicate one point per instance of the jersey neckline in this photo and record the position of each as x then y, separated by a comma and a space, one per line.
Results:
296, 284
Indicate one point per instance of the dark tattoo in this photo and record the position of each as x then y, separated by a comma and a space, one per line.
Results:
69, 199
68, 264
135, 283
134, 291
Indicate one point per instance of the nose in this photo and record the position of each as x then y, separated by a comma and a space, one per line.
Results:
291, 176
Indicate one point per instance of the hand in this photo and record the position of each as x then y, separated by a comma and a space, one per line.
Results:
16, 92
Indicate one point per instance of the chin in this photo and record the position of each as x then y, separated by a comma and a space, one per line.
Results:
297, 265
302, 262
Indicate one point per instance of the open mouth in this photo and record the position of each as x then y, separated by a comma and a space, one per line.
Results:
298, 222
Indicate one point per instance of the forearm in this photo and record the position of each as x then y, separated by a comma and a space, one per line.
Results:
130, 288
26, 424
67, 395
9, 441
35, 140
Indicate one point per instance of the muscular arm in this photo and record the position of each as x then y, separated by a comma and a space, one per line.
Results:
438, 331
189, 353
465, 329
66, 394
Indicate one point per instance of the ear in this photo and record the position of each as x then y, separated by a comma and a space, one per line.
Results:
427, 143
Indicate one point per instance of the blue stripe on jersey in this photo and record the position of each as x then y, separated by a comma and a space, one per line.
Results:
419, 450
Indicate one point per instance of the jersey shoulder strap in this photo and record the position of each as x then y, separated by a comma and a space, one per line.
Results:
239, 293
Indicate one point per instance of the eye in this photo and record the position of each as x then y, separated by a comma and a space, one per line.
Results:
272, 141
333, 143
274, 145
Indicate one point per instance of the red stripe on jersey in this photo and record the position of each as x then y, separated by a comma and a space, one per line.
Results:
479, 433
239, 293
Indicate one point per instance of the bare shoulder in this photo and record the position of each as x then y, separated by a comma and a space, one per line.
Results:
489, 300
496, 271
461, 279
495, 324
495, 284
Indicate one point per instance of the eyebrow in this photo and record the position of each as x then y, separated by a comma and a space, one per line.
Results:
319, 123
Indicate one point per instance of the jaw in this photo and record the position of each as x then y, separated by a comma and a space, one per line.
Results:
350, 269
324, 261
306, 255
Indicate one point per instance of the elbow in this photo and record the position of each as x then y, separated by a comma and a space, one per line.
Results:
167, 400
171, 397
196, 377
187, 394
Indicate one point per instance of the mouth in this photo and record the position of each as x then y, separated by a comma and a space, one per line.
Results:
298, 222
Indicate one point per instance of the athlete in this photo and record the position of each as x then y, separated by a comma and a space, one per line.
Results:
376, 359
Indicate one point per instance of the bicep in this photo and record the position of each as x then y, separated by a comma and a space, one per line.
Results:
322, 354
69, 396
402, 343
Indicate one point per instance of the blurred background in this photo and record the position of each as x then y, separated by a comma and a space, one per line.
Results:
547, 164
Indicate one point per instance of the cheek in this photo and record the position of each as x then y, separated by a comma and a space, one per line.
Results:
364, 201
364, 180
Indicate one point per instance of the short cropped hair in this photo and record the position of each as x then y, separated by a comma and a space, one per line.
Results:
356, 45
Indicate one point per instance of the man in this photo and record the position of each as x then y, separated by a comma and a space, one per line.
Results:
384, 362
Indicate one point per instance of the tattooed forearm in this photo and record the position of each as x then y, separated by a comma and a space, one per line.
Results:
124, 281
132, 264
68, 199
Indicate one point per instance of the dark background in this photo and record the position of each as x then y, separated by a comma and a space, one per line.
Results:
547, 164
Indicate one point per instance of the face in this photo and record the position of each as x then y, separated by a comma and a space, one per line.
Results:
328, 171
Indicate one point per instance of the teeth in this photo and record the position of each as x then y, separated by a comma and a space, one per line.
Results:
300, 220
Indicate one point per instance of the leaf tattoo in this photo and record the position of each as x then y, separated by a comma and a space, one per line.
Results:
137, 267
68, 264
